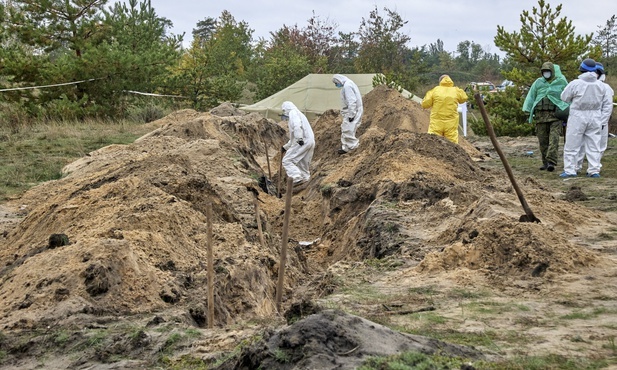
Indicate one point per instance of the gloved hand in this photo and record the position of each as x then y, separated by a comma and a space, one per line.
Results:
301, 142
351, 119
283, 150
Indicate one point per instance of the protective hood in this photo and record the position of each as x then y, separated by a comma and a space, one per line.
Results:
557, 71
446, 81
287, 107
339, 79
588, 76
548, 66
542, 88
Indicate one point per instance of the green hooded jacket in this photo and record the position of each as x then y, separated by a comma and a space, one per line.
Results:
542, 87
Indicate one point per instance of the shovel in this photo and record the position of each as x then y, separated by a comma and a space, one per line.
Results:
528, 216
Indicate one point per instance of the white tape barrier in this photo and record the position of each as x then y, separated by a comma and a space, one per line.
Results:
82, 81
45, 86
151, 94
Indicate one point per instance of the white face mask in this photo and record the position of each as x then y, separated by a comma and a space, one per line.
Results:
547, 74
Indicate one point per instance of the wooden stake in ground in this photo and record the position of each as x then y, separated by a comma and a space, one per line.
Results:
528, 216
278, 188
268, 161
281, 281
210, 267
258, 218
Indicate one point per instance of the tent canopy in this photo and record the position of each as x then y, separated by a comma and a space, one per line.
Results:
313, 95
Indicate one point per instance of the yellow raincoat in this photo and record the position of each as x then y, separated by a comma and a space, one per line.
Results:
443, 101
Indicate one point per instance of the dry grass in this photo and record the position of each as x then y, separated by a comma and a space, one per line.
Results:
37, 153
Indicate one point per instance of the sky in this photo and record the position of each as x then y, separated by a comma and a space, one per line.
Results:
451, 21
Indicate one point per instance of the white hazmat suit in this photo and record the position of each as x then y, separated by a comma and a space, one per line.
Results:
301, 145
604, 134
589, 107
351, 110
611, 93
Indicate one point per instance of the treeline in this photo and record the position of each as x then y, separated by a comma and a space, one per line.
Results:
98, 59
114, 51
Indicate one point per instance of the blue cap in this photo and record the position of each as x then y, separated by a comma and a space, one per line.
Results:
588, 65
599, 67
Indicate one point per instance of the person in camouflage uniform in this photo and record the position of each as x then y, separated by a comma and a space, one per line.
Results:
542, 100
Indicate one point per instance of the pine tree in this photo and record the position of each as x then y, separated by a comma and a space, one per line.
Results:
92, 56
606, 38
544, 37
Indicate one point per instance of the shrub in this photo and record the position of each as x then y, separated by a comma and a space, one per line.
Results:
64, 109
13, 117
146, 113
506, 115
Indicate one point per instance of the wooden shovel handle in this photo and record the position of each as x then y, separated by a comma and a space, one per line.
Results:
529, 216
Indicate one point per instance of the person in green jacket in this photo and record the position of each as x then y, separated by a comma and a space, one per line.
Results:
542, 101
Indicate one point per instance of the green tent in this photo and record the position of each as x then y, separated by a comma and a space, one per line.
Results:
313, 95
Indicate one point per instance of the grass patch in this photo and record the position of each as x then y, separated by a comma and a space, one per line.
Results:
281, 356
96, 339
389, 205
488, 307
428, 318
237, 350
184, 362
383, 264
175, 339
428, 290
61, 338
365, 294
38, 153
420, 361
460, 293
610, 345
587, 315
413, 360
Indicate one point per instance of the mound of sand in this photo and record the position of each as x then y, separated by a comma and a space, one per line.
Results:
134, 216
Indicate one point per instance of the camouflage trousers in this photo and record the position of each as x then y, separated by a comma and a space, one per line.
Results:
548, 134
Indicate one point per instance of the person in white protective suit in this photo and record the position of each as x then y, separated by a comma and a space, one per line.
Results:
300, 147
351, 110
604, 138
590, 105
602, 77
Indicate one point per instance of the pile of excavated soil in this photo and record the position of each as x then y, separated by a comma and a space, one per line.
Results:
335, 340
134, 217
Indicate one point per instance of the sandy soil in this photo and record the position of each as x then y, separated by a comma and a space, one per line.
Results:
407, 229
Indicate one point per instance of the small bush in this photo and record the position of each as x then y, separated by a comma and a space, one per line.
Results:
64, 109
13, 117
146, 113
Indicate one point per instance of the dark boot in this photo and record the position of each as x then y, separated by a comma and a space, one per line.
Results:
550, 167
544, 166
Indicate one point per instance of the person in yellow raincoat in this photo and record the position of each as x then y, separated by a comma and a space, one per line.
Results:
443, 101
